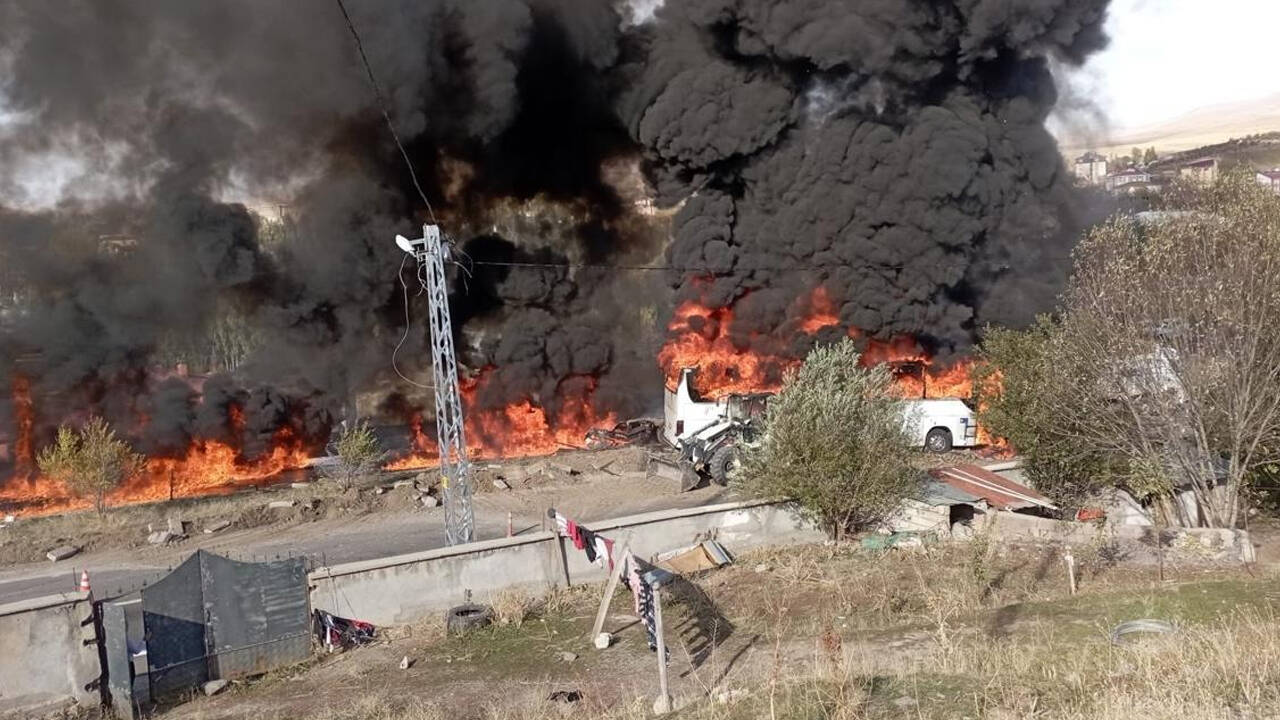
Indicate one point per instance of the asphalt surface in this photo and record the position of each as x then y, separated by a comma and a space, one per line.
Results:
331, 542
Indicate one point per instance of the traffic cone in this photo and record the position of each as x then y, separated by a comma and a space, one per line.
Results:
84, 581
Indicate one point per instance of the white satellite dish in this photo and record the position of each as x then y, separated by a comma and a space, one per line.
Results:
403, 243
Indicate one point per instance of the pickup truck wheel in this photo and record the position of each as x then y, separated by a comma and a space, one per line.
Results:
938, 440
723, 462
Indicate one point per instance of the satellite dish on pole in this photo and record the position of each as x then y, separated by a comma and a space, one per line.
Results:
403, 243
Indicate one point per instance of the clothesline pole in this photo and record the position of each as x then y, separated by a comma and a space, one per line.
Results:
662, 705
620, 562
559, 544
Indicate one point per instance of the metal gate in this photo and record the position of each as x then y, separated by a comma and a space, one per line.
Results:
214, 618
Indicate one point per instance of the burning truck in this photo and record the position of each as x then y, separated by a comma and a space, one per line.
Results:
708, 434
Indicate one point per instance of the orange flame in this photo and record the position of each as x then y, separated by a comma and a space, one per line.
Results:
519, 429
206, 467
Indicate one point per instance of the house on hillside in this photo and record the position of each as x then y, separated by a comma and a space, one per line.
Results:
1205, 170
1269, 179
1132, 180
1091, 169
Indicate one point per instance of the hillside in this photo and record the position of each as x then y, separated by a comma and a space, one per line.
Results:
1207, 126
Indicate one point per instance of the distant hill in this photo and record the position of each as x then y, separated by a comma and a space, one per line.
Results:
1209, 126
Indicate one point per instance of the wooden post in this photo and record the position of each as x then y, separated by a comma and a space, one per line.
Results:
559, 546
1071, 569
620, 560
662, 705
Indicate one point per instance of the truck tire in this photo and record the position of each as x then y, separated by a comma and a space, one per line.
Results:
462, 618
938, 440
722, 464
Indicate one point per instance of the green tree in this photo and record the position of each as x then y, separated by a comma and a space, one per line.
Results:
834, 441
357, 453
91, 461
1163, 370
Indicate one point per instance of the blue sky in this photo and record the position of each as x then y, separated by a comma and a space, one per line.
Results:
1169, 57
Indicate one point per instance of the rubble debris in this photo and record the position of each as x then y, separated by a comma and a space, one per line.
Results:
160, 537
997, 491
402, 483
282, 504
405, 663
603, 641
177, 527
62, 552
429, 501
703, 556
500, 484
515, 473
220, 525
300, 485
568, 657
563, 468
213, 687
379, 490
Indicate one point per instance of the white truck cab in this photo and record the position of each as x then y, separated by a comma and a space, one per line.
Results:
940, 424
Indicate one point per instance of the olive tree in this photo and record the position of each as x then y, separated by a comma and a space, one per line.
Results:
90, 461
357, 453
1164, 362
834, 441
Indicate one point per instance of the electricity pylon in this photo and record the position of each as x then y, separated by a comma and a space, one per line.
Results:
455, 471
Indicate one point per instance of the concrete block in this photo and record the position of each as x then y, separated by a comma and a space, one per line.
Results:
176, 526
62, 552
159, 537
220, 525
501, 484
403, 483
213, 687
300, 485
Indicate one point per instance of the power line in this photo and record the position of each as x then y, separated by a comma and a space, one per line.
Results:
705, 270
382, 105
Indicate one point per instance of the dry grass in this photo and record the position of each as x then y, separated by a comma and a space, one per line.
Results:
511, 606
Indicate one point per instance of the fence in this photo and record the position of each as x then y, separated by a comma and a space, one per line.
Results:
405, 588
48, 654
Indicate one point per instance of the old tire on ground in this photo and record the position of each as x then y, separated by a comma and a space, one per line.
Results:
462, 618
938, 440
723, 462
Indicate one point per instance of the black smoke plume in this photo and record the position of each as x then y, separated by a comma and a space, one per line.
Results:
891, 151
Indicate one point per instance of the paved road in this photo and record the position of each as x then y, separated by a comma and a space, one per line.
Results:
349, 539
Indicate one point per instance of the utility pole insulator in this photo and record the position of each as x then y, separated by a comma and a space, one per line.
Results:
455, 470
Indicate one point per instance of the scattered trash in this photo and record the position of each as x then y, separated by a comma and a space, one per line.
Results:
603, 641
567, 656
213, 687
341, 633
892, 540
405, 663
728, 697
703, 556
220, 525
62, 552
1145, 625
282, 503
462, 618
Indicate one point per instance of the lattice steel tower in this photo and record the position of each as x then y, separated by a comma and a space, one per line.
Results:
455, 471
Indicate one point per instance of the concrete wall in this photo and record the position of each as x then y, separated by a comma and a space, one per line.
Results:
45, 662
405, 588
1188, 545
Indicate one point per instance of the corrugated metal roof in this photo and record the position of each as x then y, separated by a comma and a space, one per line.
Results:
999, 492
